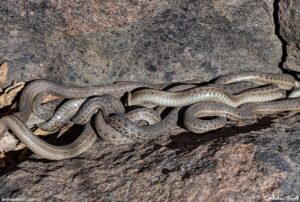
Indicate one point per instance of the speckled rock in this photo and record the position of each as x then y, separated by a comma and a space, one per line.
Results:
289, 16
91, 42
247, 163
95, 42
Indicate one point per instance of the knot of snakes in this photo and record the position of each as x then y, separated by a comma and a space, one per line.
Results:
118, 128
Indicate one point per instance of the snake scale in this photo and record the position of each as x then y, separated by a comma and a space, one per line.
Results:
118, 128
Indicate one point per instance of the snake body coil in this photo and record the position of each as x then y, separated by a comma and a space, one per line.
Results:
283, 81
143, 133
62, 115
112, 133
194, 95
206, 109
273, 107
44, 149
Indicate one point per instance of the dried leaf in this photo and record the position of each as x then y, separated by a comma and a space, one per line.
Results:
20, 146
49, 98
10, 93
3, 72
41, 132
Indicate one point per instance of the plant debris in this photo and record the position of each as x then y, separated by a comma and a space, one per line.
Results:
10, 93
3, 73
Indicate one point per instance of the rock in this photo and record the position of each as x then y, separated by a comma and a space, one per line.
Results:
246, 163
289, 19
90, 42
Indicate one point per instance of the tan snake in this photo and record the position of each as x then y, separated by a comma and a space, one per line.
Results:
272, 107
283, 81
198, 94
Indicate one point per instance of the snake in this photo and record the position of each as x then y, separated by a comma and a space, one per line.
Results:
294, 93
222, 111
110, 133
41, 147
205, 109
63, 114
107, 104
249, 110
43, 86
133, 131
44, 111
292, 104
283, 81
198, 94
124, 128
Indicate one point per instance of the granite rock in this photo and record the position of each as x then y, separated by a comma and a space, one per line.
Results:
95, 42
289, 23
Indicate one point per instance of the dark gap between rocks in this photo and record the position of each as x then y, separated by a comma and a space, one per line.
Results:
284, 43
277, 32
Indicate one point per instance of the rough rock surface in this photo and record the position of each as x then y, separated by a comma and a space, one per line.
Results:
289, 15
93, 42
247, 163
